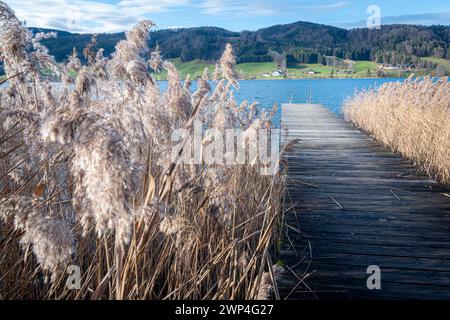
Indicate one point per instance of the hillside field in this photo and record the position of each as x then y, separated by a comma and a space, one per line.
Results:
256, 70
445, 63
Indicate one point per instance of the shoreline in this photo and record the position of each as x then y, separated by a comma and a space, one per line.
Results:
284, 79
324, 78
274, 79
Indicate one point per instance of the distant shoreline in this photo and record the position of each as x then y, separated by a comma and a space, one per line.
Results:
274, 79
323, 78
290, 79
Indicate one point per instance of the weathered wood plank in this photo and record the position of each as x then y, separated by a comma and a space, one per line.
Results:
365, 260
375, 239
354, 204
345, 216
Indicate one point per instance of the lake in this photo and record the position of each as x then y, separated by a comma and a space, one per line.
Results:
328, 92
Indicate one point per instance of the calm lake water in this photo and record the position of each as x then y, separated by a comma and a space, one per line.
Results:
328, 92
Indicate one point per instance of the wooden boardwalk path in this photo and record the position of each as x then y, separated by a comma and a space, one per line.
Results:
357, 204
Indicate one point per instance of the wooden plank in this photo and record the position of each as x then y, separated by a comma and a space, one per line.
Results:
365, 260
375, 239
354, 216
376, 224
327, 247
400, 230
354, 203
343, 286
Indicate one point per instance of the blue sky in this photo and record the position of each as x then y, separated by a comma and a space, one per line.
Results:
118, 15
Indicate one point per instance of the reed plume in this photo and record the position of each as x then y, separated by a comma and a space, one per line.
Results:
228, 66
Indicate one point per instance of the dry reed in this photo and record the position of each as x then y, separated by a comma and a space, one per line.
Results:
412, 118
86, 179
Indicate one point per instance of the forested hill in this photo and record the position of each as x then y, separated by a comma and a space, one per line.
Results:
301, 42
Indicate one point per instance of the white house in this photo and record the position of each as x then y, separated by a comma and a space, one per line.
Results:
278, 73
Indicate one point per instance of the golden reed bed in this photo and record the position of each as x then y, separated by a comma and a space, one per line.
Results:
412, 118
92, 205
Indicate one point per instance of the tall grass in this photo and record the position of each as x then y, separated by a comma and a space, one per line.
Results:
412, 118
86, 179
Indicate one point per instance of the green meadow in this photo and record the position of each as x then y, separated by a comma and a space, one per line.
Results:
445, 63
362, 69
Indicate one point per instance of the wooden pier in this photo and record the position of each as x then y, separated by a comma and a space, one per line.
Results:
355, 205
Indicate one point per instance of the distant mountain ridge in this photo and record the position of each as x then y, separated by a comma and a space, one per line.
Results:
301, 42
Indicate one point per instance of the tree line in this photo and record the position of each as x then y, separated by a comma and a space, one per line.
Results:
300, 42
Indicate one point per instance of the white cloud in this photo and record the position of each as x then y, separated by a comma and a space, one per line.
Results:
420, 19
333, 6
325, 7
89, 16
263, 7
237, 7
